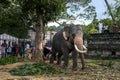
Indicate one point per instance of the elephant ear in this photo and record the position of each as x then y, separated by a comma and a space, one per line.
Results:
66, 33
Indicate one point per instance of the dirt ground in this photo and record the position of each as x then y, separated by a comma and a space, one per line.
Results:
92, 72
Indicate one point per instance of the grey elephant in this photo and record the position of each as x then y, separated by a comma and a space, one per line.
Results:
68, 40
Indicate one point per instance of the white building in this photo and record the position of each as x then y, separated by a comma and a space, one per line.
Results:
8, 38
48, 36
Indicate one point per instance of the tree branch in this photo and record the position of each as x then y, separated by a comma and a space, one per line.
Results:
109, 9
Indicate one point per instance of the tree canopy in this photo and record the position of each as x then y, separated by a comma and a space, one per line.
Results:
11, 21
114, 11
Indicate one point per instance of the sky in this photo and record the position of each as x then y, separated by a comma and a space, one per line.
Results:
100, 9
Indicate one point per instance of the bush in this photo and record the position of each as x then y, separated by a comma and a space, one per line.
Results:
32, 69
93, 31
8, 60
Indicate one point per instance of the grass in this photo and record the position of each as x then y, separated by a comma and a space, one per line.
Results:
97, 70
116, 60
106, 64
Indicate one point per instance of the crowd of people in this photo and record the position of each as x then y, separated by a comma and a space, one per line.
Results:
14, 49
105, 29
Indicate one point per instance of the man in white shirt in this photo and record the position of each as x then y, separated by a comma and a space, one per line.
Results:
100, 26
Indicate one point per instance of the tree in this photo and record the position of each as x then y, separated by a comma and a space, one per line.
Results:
93, 30
114, 12
109, 9
108, 22
39, 12
3, 4
78, 9
90, 28
11, 21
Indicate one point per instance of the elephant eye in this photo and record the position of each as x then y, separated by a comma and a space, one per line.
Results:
73, 35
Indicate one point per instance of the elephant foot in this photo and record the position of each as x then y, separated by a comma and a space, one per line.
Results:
51, 62
64, 67
58, 63
83, 68
75, 69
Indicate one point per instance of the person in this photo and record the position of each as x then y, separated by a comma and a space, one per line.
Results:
16, 50
13, 49
9, 49
85, 42
115, 28
27, 51
4, 43
3, 48
0, 52
32, 49
27, 46
106, 30
22, 51
46, 51
100, 26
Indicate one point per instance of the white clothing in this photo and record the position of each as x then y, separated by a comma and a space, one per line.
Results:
105, 27
27, 46
100, 26
0, 50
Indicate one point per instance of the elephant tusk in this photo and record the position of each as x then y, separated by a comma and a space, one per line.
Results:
84, 47
80, 50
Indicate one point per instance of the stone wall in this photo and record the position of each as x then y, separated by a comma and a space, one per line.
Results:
104, 42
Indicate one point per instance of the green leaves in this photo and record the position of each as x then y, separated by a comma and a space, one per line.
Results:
5, 3
8, 60
11, 21
49, 9
32, 69
81, 9
93, 30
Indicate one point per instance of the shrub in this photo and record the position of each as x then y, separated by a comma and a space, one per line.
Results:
94, 31
8, 60
32, 69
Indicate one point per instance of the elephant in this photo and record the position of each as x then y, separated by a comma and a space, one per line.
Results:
68, 40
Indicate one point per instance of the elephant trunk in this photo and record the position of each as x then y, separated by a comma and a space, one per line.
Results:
78, 44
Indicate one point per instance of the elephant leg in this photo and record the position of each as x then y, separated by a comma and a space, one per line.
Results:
65, 59
53, 56
82, 60
59, 58
74, 57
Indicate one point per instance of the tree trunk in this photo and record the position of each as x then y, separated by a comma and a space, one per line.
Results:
39, 37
